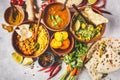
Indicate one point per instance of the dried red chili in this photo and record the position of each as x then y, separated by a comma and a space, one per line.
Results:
50, 69
57, 69
96, 3
21, 2
53, 68
84, 2
42, 69
103, 11
102, 6
13, 2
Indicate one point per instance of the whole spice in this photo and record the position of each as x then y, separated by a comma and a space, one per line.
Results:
14, 16
96, 3
13, 2
50, 69
84, 2
53, 69
42, 69
21, 2
103, 11
101, 6
57, 69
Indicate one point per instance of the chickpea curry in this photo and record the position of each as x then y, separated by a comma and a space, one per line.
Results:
29, 46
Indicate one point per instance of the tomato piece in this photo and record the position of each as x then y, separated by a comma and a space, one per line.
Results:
43, 6
13, 2
21, 2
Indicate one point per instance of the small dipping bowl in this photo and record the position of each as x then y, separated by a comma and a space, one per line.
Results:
46, 60
14, 15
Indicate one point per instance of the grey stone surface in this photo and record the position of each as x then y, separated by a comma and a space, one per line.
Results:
10, 70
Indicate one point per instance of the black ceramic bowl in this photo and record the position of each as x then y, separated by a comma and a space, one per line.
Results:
46, 60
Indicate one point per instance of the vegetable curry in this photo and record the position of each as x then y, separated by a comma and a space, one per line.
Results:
55, 18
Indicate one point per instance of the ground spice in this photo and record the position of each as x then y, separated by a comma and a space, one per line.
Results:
14, 16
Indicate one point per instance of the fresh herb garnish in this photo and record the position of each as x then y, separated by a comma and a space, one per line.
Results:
37, 46
55, 19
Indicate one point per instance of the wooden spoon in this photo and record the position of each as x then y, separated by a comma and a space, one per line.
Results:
75, 7
64, 6
38, 24
79, 11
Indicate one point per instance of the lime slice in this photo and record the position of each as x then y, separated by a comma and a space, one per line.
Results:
27, 61
91, 1
17, 57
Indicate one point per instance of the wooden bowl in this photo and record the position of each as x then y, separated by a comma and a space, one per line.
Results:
64, 51
65, 16
7, 15
17, 49
93, 39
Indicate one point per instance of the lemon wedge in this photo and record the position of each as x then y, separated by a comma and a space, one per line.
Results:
27, 61
91, 1
17, 57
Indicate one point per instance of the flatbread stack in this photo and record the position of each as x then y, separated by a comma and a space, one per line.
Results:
104, 58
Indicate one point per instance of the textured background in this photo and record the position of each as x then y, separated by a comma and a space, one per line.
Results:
10, 70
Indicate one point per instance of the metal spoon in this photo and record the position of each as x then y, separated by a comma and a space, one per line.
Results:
64, 6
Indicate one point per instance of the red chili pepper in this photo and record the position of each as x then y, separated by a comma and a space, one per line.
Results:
50, 1
13, 2
83, 3
49, 69
43, 6
21, 2
57, 69
102, 6
96, 3
53, 69
42, 69
103, 11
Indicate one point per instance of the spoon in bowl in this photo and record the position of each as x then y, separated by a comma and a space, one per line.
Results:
64, 6
79, 12
38, 24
